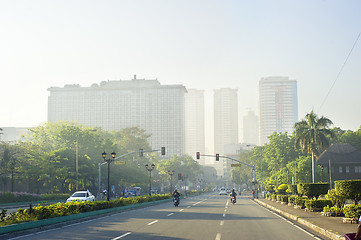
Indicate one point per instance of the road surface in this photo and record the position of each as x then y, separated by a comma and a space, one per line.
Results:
209, 216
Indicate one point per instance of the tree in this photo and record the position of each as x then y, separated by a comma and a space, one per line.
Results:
312, 136
353, 138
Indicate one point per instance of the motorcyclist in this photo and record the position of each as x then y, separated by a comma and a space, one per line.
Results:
233, 195
176, 194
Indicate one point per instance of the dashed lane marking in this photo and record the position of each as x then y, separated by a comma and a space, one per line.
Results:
170, 214
152, 222
221, 223
218, 237
124, 235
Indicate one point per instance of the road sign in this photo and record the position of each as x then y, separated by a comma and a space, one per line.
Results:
119, 162
236, 165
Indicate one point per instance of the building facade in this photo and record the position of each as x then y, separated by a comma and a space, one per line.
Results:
194, 123
278, 106
251, 128
114, 105
225, 118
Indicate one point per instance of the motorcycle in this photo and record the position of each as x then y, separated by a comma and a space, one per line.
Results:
176, 201
233, 200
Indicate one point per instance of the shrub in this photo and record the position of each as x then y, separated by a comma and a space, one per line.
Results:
282, 198
317, 204
282, 188
312, 190
292, 188
334, 209
336, 197
300, 201
352, 211
351, 189
291, 199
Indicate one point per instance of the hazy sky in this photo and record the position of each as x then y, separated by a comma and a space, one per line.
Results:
201, 44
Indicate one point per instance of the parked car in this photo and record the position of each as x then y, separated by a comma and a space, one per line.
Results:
81, 196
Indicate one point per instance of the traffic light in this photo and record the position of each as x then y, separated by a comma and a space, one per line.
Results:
179, 176
163, 150
198, 155
140, 152
217, 157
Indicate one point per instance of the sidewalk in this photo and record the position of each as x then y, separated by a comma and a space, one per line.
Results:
332, 227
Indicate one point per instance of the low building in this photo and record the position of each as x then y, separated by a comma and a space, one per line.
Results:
344, 161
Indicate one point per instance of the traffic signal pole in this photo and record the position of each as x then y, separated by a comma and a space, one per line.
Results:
217, 156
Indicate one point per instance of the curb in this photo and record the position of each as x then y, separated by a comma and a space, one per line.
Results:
304, 222
50, 221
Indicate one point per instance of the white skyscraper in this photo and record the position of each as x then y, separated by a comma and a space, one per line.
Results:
278, 106
114, 105
250, 128
194, 123
225, 118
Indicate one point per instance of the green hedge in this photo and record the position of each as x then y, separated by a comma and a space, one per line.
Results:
352, 211
312, 190
317, 204
75, 207
351, 189
282, 198
292, 188
291, 199
300, 201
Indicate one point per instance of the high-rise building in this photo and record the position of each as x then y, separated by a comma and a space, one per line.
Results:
278, 106
114, 105
225, 118
250, 128
194, 123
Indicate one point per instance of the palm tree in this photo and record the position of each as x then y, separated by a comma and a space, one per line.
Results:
312, 134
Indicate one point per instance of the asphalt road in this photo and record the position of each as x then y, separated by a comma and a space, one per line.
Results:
204, 217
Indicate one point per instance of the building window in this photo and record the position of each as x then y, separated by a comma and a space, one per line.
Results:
347, 169
357, 169
340, 169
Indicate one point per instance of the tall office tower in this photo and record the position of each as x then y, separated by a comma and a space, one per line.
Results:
278, 106
194, 123
250, 129
225, 118
114, 105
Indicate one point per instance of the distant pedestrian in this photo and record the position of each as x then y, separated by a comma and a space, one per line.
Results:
358, 231
252, 194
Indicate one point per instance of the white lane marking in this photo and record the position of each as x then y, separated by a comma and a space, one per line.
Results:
286, 220
124, 235
152, 222
218, 237
224, 214
198, 202
225, 210
221, 223
170, 214
188, 206
181, 210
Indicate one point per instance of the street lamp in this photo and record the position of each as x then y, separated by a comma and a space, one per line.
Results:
150, 169
321, 173
171, 180
77, 159
109, 160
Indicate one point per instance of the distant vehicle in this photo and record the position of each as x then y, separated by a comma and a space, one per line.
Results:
228, 190
133, 191
222, 191
81, 196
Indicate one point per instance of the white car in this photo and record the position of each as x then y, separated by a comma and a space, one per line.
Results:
81, 196
223, 192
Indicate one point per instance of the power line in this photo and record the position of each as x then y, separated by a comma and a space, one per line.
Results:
339, 73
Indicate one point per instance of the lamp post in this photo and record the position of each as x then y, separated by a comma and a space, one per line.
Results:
150, 169
77, 159
109, 160
321, 173
171, 180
